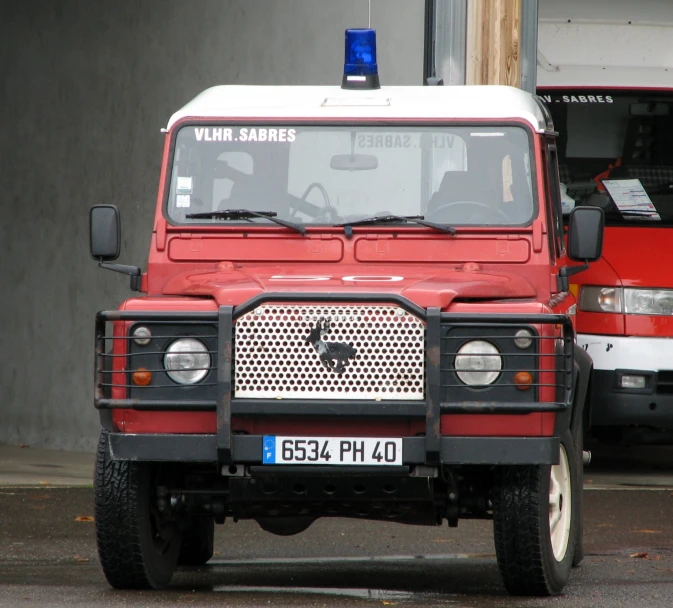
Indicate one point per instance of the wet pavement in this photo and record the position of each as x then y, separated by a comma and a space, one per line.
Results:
48, 554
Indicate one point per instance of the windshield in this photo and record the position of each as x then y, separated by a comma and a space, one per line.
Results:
615, 150
335, 174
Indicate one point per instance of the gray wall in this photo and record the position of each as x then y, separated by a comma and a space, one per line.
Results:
86, 86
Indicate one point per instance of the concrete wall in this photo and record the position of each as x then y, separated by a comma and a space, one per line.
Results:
86, 86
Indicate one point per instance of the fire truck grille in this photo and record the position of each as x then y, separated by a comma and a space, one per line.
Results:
329, 352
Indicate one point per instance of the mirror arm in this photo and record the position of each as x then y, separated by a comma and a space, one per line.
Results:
133, 271
567, 271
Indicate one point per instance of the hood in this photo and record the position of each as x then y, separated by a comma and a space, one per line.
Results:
639, 255
232, 284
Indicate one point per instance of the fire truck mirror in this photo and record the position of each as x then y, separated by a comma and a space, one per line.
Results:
104, 233
585, 234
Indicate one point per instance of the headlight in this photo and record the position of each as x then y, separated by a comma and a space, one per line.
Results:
648, 301
187, 361
601, 299
478, 363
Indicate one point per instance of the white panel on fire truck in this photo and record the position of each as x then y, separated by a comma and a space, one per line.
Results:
456, 102
605, 43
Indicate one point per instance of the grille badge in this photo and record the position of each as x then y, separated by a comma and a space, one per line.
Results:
333, 355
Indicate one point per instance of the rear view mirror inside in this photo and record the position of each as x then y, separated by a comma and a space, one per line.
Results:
650, 108
354, 162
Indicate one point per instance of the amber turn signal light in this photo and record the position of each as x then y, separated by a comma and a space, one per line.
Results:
142, 377
523, 380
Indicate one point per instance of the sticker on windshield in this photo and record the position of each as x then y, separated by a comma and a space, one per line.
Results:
184, 185
246, 134
183, 200
631, 198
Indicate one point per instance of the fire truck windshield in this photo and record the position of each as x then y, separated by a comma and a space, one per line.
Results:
328, 175
615, 150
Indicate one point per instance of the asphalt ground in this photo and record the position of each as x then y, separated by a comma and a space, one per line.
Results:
48, 553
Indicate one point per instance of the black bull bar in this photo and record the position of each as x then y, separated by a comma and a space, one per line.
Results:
430, 449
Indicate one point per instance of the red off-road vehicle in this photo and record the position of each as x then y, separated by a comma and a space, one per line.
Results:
356, 305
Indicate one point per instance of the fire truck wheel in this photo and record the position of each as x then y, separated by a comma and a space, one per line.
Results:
138, 546
197, 540
535, 515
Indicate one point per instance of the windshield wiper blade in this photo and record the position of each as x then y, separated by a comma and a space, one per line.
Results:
638, 212
246, 214
414, 219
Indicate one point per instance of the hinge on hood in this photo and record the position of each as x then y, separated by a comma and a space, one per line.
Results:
382, 243
316, 244
537, 237
160, 230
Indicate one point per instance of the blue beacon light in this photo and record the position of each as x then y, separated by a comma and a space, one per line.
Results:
360, 69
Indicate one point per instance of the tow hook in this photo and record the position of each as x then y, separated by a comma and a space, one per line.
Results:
586, 457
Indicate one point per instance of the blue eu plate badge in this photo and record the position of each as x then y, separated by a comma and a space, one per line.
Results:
269, 456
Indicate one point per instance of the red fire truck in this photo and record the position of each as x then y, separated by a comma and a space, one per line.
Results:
356, 304
612, 103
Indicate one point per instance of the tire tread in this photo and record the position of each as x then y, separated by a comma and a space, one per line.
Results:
117, 497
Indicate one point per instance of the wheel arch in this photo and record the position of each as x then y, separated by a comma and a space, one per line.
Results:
579, 413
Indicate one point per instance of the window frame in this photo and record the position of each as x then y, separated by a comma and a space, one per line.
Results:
555, 209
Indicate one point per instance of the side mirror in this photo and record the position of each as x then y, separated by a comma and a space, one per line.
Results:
585, 234
104, 233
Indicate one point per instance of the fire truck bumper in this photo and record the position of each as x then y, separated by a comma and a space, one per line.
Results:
612, 405
632, 380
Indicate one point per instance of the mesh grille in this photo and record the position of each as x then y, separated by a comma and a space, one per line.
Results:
355, 352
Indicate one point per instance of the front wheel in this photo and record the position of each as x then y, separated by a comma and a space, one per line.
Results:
138, 545
536, 510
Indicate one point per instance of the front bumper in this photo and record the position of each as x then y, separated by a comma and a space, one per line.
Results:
615, 406
247, 450
227, 447
614, 356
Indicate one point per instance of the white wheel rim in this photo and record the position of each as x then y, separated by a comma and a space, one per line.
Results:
560, 506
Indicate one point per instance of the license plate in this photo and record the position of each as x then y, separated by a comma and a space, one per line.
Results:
332, 450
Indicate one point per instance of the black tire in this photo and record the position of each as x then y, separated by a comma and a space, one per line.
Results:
132, 552
197, 541
521, 527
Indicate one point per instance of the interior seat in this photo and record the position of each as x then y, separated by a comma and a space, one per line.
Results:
459, 186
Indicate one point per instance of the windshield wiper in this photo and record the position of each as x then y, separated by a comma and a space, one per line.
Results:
246, 214
384, 219
640, 213
636, 212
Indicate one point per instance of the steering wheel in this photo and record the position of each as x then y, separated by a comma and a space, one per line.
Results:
491, 211
309, 208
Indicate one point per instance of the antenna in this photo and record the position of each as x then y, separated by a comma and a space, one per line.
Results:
369, 16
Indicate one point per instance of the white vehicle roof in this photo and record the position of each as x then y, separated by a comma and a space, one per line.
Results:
430, 102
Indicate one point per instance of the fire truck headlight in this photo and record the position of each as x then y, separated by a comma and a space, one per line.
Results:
648, 301
601, 299
478, 363
187, 361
